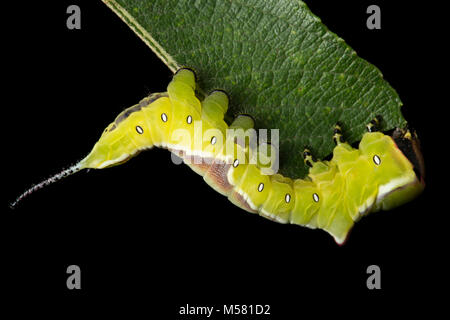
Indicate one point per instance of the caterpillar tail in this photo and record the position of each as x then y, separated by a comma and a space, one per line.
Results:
384, 172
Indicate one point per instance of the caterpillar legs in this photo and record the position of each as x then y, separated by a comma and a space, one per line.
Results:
308, 158
374, 124
337, 134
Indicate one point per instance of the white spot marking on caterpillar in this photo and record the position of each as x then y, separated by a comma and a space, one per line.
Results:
315, 197
139, 130
261, 187
287, 198
213, 140
377, 160
164, 117
236, 163
189, 119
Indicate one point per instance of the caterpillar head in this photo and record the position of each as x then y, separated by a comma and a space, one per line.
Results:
397, 166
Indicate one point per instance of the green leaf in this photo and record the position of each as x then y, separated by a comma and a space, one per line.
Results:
277, 61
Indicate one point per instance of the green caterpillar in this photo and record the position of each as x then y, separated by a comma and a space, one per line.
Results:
332, 197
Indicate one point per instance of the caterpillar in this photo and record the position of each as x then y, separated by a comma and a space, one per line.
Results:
385, 171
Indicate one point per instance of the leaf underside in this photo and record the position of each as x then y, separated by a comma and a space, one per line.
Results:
277, 61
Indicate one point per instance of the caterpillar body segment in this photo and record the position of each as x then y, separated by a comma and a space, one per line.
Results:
334, 195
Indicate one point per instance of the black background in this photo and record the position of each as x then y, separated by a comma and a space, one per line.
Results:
151, 236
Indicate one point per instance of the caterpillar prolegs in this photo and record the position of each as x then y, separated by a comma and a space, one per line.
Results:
384, 172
